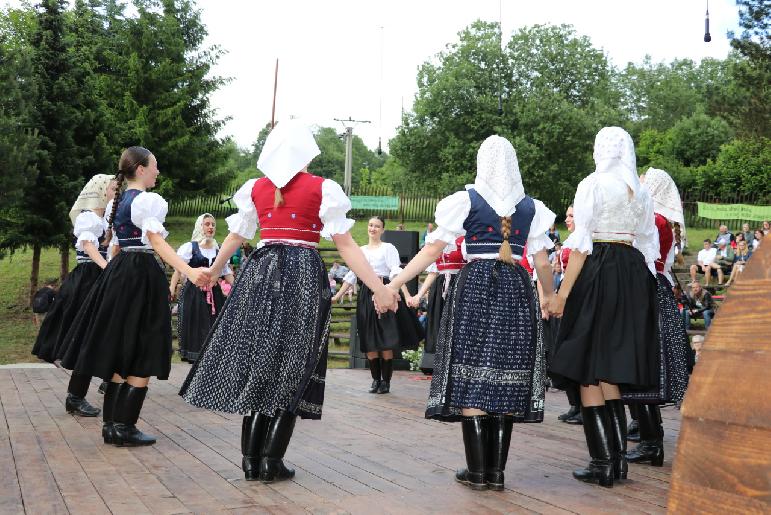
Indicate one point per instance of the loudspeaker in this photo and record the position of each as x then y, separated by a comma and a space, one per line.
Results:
406, 242
358, 359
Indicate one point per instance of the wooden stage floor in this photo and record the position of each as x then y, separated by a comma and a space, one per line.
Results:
369, 454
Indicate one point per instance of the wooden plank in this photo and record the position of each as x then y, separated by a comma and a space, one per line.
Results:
10, 491
687, 498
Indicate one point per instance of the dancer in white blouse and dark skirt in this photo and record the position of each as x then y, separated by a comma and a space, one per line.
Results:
266, 355
608, 336
87, 215
489, 370
198, 307
123, 329
381, 335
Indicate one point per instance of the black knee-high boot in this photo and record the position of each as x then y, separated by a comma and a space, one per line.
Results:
633, 430
274, 447
598, 440
498, 441
76, 402
374, 369
253, 430
574, 399
388, 370
108, 411
475, 442
651, 446
618, 430
127, 408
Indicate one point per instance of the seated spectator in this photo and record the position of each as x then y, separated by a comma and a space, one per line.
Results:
766, 227
696, 344
699, 305
400, 227
553, 234
429, 229
748, 234
724, 235
756, 240
741, 256
707, 264
338, 271
725, 258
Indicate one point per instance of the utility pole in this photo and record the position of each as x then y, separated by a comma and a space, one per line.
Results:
349, 151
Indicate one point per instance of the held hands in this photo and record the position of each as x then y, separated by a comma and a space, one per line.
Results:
201, 277
413, 301
385, 299
556, 305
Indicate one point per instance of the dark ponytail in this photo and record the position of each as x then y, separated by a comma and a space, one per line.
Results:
130, 159
504, 253
118, 185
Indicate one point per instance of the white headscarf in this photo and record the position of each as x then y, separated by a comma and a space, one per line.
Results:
498, 180
614, 154
666, 198
92, 196
198, 232
288, 149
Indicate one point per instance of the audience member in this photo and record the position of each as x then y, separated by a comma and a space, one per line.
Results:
757, 239
707, 264
748, 235
699, 305
724, 235
553, 234
743, 253
725, 258
766, 227
429, 229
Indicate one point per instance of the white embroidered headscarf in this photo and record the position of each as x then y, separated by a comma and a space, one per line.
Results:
92, 196
198, 233
666, 198
614, 154
498, 180
288, 149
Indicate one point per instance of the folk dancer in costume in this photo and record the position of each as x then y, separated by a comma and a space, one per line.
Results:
266, 355
87, 216
489, 368
124, 327
675, 352
441, 276
198, 307
609, 332
381, 335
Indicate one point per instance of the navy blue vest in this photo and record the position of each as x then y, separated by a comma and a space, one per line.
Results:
129, 235
198, 260
483, 226
83, 257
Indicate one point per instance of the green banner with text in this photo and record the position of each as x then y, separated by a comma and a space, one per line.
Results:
375, 203
734, 211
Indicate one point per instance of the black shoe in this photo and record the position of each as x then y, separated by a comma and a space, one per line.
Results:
651, 447
498, 441
253, 431
108, 411
572, 412
598, 440
388, 371
384, 387
80, 406
127, 408
375, 370
617, 413
576, 420
103, 387
633, 432
475, 444
274, 447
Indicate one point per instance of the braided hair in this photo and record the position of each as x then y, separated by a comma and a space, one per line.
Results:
130, 159
504, 253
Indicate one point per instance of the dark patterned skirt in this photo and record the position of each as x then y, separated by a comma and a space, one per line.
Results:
389, 331
490, 352
195, 318
609, 329
674, 349
267, 350
124, 326
71, 296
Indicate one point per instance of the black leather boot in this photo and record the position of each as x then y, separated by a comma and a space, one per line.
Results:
103, 387
76, 402
374, 369
651, 446
633, 430
598, 440
127, 408
475, 443
274, 447
108, 411
388, 371
572, 412
498, 441
618, 430
253, 431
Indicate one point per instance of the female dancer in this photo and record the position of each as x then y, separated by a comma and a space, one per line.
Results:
676, 361
441, 277
124, 327
87, 215
489, 371
266, 355
198, 307
381, 335
608, 335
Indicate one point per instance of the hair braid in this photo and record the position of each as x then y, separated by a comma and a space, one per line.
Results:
119, 177
278, 199
504, 253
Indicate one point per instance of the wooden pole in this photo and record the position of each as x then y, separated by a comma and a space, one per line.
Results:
275, 88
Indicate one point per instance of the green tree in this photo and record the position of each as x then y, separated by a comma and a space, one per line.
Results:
742, 167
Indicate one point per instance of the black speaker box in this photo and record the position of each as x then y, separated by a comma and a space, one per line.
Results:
406, 242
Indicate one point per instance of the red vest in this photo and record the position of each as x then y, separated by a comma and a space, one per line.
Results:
666, 239
452, 260
298, 217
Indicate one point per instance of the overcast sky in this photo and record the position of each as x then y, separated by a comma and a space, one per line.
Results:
330, 51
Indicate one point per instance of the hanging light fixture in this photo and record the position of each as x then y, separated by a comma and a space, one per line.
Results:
707, 37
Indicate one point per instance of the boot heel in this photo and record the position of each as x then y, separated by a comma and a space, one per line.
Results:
658, 459
606, 480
